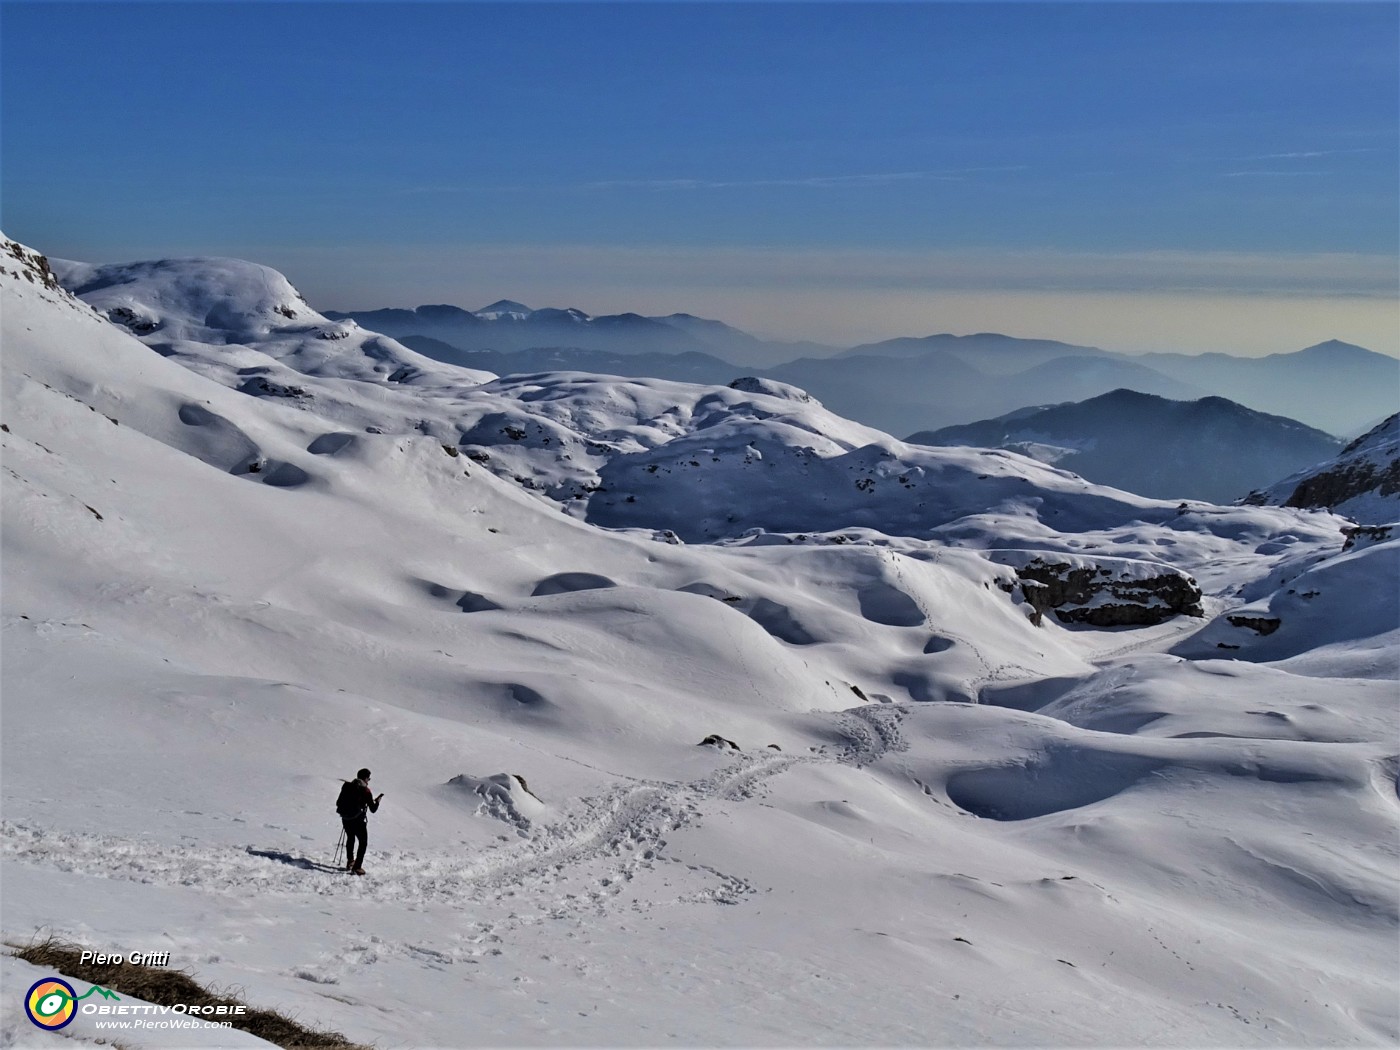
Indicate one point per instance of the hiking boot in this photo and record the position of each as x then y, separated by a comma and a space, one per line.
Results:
358, 871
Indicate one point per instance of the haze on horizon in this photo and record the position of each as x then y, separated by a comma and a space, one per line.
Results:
1132, 176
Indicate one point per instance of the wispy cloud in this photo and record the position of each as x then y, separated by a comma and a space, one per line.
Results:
811, 181
1270, 174
885, 178
1310, 154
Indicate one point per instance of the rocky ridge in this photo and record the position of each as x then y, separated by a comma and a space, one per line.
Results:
1362, 482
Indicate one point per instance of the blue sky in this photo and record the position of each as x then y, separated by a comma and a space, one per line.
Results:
837, 170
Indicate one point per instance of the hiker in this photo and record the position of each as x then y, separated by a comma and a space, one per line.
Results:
354, 803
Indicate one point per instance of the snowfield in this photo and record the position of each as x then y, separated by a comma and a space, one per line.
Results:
247, 550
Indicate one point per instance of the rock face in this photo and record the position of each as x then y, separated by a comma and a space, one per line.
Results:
1335, 487
1110, 592
1362, 482
28, 263
771, 387
1363, 467
1360, 536
1260, 625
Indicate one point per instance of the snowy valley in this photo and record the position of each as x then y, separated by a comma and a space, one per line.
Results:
1002, 758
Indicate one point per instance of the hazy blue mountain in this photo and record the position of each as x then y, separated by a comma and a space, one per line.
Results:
686, 367
1208, 449
505, 310
1077, 378
916, 383
733, 344
1337, 386
896, 395
939, 388
507, 326
448, 323
988, 352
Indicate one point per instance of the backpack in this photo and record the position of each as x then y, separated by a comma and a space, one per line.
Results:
349, 803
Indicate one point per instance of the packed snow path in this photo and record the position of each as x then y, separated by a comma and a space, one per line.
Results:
580, 862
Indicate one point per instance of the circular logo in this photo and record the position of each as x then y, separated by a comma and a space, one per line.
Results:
50, 1003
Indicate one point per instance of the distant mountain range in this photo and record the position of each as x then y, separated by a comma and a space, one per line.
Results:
937, 388
1208, 449
899, 385
991, 352
687, 366
507, 326
1340, 387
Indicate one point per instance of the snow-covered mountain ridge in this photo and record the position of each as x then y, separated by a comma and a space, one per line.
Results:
1362, 481
1125, 841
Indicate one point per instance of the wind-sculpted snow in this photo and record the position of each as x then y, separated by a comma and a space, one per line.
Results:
178, 306
1311, 619
242, 560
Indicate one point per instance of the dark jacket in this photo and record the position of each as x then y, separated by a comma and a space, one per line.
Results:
356, 798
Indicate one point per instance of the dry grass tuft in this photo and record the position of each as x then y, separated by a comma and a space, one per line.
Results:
166, 987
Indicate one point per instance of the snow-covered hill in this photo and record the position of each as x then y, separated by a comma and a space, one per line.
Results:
241, 560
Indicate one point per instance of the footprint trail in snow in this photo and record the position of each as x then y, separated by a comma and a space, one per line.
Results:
582, 862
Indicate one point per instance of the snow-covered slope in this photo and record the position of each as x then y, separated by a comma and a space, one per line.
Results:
1307, 622
176, 304
1117, 846
1362, 482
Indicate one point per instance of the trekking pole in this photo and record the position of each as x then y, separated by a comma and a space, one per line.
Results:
339, 844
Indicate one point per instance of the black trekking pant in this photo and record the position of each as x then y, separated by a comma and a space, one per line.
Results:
355, 831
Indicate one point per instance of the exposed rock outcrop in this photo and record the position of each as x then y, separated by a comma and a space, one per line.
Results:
1109, 592
1346, 481
1260, 625
29, 264
715, 740
1362, 482
1366, 535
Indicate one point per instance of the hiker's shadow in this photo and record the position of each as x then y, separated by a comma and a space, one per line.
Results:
305, 863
